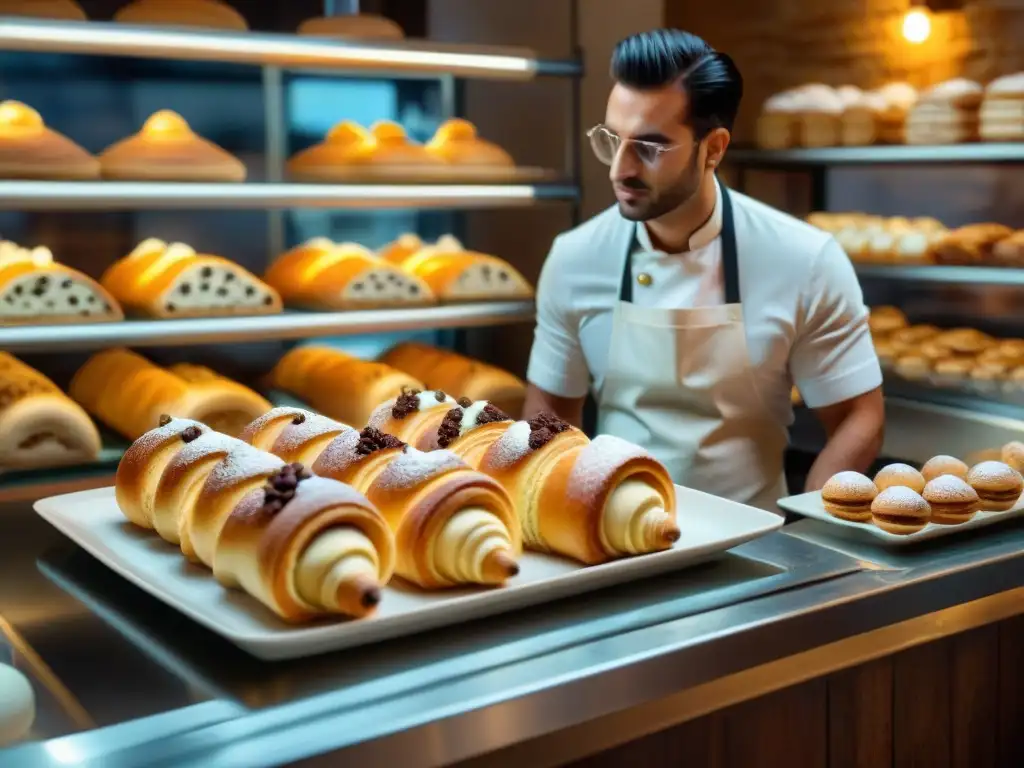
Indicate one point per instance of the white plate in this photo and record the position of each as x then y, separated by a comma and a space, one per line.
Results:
709, 525
810, 505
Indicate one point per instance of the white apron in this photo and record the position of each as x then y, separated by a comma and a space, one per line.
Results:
680, 383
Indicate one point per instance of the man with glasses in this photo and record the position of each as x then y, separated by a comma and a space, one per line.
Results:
690, 310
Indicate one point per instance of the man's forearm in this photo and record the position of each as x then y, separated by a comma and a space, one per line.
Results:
853, 445
538, 401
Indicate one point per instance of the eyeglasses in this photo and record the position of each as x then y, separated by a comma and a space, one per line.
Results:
606, 144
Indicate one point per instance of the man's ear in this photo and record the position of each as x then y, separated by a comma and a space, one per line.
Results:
716, 142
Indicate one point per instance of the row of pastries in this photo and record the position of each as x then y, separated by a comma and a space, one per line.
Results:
906, 241
124, 391
167, 149
170, 280
204, 14
951, 112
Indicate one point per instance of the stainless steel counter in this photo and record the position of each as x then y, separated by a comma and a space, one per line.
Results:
516, 689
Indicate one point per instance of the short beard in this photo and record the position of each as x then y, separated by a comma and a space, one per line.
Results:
674, 197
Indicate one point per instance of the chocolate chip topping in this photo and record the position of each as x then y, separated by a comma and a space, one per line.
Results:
372, 439
490, 414
543, 429
298, 418
408, 402
281, 487
450, 429
465, 402
191, 433
440, 396
164, 420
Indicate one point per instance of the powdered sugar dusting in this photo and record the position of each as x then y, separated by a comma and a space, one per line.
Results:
339, 455
598, 460
989, 473
843, 484
381, 414
319, 493
948, 488
169, 431
415, 467
207, 444
295, 436
272, 415
900, 500
512, 447
243, 462
943, 465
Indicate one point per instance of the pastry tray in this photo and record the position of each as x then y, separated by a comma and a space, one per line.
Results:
709, 525
810, 505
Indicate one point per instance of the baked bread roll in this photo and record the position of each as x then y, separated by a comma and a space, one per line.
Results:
61, 10
1010, 250
166, 149
885, 320
30, 150
455, 274
36, 289
456, 142
946, 113
969, 245
462, 376
294, 434
351, 153
899, 99
777, 122
1002, 111
302, 550
859, 123
40, 426
320, 274
210, 14
337, 384
453, 525
164, 280
360, 26
820, 113
236, 404
129, 394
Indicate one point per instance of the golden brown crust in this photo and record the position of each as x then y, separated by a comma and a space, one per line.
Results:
210, 14
30, 150
60, 10
366, 26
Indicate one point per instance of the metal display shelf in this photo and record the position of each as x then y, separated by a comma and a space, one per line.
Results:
355, 57
943, 274
290, 325
879, 155
135, 196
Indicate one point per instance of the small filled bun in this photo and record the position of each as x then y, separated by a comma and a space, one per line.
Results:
61, 10
937, 466
208, 14
848, 496
952, 500
30, 150
900, 511
360, 26
1013, 454
998, 485
899, 475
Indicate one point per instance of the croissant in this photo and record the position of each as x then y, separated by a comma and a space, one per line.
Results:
452, 525
337, 384
455, 274
320, 274
304, 547
161, 280
167, 149
35, 289
30, 150
40, 426
294, 434
589, 500
63, 10
211, 14
464, 377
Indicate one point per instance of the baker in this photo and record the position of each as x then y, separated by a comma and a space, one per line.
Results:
691, 310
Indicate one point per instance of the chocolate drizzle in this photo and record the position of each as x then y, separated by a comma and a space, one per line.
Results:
372, 439
450, 429
543, 429
188, 434
281, 487
298, 418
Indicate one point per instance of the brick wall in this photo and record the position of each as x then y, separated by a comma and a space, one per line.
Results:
782, 43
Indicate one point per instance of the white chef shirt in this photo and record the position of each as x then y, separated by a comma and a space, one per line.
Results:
803, 309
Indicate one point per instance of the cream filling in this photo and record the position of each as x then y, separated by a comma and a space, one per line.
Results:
383, 285
52, 294
428, 400
485, 279
214, 287
634, 521
335, 569
470, 415
473, 547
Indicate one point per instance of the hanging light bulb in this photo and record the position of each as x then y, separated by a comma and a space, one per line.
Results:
917, 25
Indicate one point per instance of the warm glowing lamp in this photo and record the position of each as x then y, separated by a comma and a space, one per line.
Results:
917, 25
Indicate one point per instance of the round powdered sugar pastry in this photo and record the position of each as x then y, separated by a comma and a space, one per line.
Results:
597, 461
899, 475
849, 484
415, 467
900, 500
993, 475
948, 488
944, 465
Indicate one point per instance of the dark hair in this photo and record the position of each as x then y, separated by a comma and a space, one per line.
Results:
662, 56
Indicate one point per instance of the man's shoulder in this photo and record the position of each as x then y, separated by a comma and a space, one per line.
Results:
780, 231
580, 240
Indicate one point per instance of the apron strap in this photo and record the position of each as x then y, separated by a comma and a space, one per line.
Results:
730, 261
